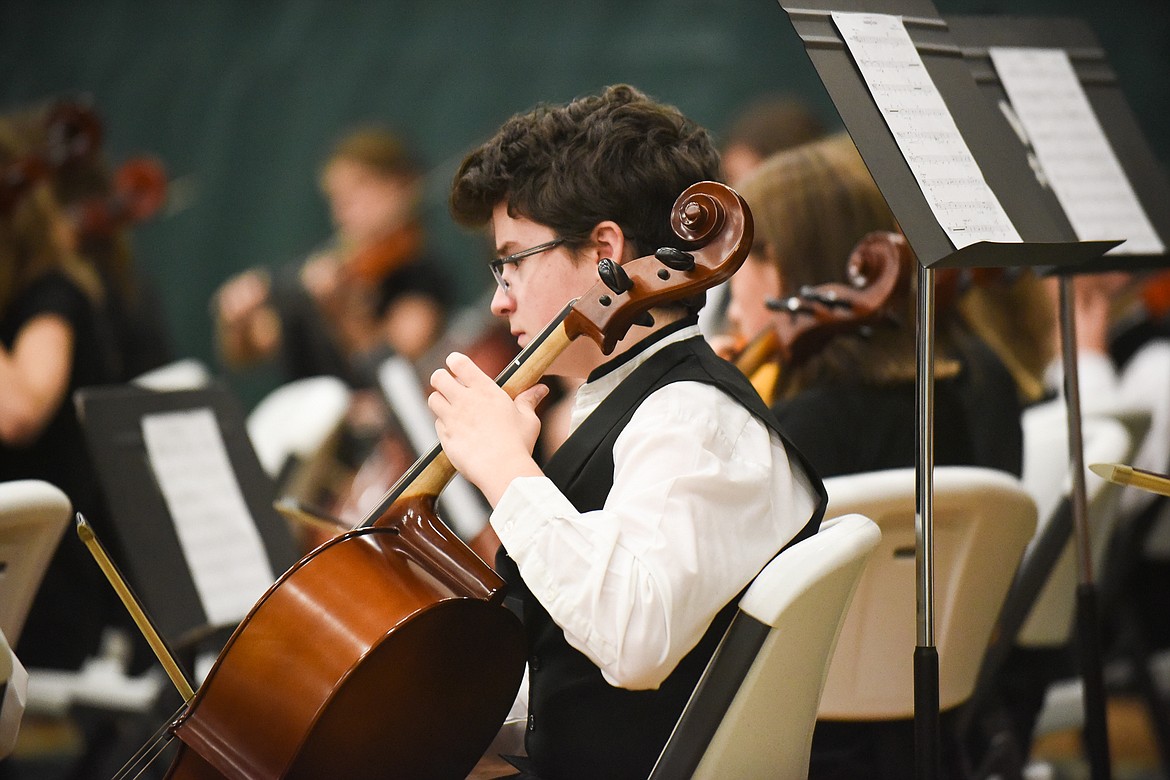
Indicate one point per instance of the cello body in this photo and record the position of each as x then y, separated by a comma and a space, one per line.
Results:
358, 698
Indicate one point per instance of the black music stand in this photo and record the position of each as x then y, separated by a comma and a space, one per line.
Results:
155, 564
1047, 240
975, 35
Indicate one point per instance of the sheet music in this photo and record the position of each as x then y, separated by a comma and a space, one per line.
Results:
216, 531
924, 129
1073, 150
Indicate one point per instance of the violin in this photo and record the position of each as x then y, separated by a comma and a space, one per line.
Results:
878, 270
372, 263
139, 191
1155, 295
73, 133
387, 651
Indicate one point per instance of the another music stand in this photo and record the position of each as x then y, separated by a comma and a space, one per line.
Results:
155, 563
1047, 240
976, 36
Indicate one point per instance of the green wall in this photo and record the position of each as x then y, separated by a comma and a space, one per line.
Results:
240, 99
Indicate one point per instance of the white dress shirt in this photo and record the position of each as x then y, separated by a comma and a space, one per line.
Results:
703, 497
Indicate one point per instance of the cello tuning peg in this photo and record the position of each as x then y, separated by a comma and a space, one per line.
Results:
614, 276
829, 299
792, 305
646, 319
675, 259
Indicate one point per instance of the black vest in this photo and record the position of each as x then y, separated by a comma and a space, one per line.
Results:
579, 725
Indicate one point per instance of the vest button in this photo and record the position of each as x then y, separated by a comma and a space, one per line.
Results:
532, 723
534, 663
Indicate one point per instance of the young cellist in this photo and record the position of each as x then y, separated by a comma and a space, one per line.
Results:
626, 551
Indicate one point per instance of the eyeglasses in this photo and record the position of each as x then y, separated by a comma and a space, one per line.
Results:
498, 264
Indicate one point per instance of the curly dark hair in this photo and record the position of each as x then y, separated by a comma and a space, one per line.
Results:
617, 156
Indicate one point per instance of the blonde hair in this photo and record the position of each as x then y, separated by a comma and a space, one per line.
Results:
1014, 316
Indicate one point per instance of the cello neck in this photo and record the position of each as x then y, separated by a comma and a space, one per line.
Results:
431, 473
708, 217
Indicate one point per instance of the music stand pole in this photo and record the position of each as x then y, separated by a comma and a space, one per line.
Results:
927, 738
1087, 619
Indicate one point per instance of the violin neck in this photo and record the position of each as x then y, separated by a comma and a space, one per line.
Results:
764, 348
431, 473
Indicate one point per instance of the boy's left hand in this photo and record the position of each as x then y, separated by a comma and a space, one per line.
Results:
487, 436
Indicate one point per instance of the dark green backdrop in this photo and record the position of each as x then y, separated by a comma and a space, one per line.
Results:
240, 98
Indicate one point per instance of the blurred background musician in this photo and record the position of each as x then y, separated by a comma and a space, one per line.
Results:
53, 340
102, 205
850, 408
1122, 322
764, 126
372, 288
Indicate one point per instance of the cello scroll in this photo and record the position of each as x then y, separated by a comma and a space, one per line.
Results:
878, 270
715, 225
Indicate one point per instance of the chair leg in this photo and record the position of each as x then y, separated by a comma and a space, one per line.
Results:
1136, 650
1003, 760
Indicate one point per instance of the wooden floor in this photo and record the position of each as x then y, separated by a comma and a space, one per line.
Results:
48, 748
1132, 751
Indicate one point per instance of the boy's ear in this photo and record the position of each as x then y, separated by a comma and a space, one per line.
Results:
610, 241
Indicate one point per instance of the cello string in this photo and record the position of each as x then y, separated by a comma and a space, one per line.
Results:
141, 759
144, 758
153, 747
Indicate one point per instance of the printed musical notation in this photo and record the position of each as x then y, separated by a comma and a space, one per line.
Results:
1072, 148
914, 110
219, 539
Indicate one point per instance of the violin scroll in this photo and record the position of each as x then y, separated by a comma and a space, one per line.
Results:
140, 190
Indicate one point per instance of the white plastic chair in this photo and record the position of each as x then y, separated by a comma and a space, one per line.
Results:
753, 711
296, 420
982, 521
1107, 438
1046, 478
33, 516
184, 374
14, 680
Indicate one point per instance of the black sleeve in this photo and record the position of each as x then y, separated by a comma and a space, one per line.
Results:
53, 293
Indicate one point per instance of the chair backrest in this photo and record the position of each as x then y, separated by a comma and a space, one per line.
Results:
296, 420
13, 695
982, 520
33, 515
752, 713
184, 374
1046, 477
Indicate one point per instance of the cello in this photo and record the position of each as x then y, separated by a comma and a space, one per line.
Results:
878, 270
387, 651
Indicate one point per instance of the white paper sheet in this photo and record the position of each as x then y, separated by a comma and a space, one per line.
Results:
918, 117
216, 531
1076, 156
